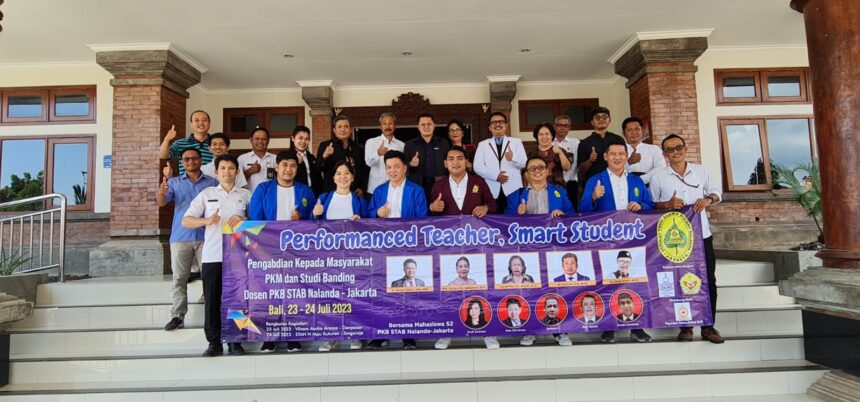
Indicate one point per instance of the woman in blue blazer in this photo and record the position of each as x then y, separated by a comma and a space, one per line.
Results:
356, 207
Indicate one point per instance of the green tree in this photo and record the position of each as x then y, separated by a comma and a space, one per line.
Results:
23, 187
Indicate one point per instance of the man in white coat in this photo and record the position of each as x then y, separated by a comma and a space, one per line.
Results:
500, 160
375, 149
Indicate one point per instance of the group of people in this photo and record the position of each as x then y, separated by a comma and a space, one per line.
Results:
387, 178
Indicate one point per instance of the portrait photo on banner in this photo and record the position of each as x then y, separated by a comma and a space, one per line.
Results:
626, 265
551, 309
517, 270
475, 313
406, 274
570, 268
463, 272
513, 311
626, 306
589, 308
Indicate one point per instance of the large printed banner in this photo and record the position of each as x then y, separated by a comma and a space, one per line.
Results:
462, 276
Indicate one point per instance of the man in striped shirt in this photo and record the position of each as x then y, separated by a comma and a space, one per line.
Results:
199, 139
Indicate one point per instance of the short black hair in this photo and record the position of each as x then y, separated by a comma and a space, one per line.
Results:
221, 136
456, 148
263, 129
199, 111
395, 154
542, 125
498, 114
570, 255
631, 120
513, 300
346, 163
535, 158
615, 141
191, 149
226, 158
625, 296
599, 110
669, 137
425, 115
286, 155
301, 129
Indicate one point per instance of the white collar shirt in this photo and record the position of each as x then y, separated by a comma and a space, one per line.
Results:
376, 162
227, 204
266, 162
395, 199
209, 170
651, 160
458, 190
303, 155
286, 203
695, 184
619, 189
569, 145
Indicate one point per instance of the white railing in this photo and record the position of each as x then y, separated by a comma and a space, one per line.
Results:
27, 239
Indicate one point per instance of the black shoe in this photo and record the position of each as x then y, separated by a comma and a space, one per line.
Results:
639, 335
174, 323
376, 344
607, 337
193, 276
235, 349
409, 344
293, 346
214, 349
268, 347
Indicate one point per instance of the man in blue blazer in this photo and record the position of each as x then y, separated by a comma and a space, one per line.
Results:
613, 189
397, 198
284, 198
616, 190
539, 197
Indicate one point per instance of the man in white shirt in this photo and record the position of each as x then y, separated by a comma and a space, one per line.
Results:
680, 184
643, 159
569, 145
219, 145
211, 208
258, 165
375, 149
499, 161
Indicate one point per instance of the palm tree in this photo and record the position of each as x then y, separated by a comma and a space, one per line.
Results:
80, 194
807, 190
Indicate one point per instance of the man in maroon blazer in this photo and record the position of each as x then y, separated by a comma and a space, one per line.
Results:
461, 193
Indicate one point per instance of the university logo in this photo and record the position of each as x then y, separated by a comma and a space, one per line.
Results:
691, 284
675, 237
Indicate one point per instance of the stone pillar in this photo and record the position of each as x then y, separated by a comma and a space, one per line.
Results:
830, 295
661, 78
149, 96
319, 97
503, 89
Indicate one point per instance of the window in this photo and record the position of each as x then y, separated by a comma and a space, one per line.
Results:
280, 121
534, 112
776, 85
47, 105
33, 166
751, 146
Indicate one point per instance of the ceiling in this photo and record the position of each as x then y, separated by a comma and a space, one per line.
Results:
355, 43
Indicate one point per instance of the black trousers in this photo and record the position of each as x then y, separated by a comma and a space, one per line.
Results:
573, 194
211, 274
501, 202
711, 264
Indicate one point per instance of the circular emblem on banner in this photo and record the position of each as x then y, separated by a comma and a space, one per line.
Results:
691, 284
675, 237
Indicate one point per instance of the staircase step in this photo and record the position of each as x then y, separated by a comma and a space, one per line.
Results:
751, 296
737, 272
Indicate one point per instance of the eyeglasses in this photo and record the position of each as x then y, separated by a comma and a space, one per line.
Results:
191, 159
497, 122
535, 169
563, 125
671, 150
685, 182
601, 116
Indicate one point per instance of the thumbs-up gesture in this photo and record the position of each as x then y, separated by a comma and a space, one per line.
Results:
438, 205
328, 150
295, 215
635, 157
509, 155
318, 209
502, 178
521, 209
675, 202
599, 191
382, 148
171, 134
255, 167
162, 189
593, 156
415, 161
215, 218
557, 150
383, 211
167, 172
301, 157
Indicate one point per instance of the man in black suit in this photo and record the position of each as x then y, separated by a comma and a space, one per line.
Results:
589, 309
308, 172
625, 303
570, 264
426, 155
514, 311
551, 309
410, 268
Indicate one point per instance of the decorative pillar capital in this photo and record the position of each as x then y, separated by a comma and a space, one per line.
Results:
503, 89
660, 56
150, 67
319, 96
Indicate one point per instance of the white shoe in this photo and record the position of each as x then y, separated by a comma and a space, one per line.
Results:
325, 346
442, 343
491, 343
563, 340
528, 340
355, 344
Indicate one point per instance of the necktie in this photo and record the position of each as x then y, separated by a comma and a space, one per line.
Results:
570, 278
411, 283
